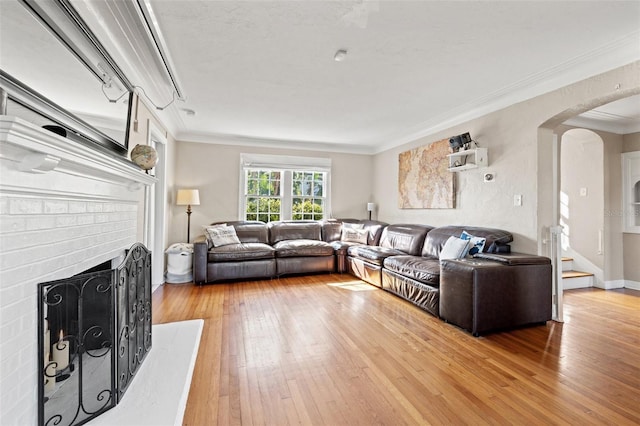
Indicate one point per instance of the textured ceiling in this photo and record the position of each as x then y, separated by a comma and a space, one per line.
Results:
621, 117
262, 72
265, 70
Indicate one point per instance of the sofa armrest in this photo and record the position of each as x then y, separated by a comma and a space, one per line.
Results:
481, 295
514, 258
200, 259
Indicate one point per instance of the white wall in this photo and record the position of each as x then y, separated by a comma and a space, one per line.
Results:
582, 214
520, 155
214, 169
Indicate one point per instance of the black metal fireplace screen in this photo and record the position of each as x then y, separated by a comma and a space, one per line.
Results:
82, 319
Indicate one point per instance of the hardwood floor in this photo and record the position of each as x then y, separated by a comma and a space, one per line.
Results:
331, 350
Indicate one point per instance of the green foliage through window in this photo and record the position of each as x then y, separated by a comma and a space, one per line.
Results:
264, 209
307, 209
263, 195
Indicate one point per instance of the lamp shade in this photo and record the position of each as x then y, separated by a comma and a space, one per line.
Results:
188, 197
371, 207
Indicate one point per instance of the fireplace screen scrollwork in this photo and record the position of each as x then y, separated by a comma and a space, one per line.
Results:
94, 333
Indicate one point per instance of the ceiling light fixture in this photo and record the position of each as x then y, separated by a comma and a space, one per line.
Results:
340, 55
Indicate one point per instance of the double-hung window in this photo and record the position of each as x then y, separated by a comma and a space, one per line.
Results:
284, 188
263, 200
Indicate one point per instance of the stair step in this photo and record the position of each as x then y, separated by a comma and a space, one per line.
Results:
575, 274
576, 279
567, 264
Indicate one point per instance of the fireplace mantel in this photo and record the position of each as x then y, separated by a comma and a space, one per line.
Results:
65, 206
36, 150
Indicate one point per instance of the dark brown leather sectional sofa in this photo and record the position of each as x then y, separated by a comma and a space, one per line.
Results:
486, 292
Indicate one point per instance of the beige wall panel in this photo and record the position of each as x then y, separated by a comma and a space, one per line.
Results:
631, 255
512, 138
214, 169
631, 142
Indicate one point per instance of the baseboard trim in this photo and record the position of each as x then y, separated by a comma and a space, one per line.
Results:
613, 284
633, 285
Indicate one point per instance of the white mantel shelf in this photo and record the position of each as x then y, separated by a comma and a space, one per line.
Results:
65, 206
37, 150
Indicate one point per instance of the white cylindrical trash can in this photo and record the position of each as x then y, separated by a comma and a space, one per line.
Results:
179, 263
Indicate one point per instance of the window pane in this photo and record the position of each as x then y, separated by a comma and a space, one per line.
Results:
263, 188
252, 187
252, 205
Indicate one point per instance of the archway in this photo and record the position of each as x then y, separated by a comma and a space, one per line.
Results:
548, 207
582, 208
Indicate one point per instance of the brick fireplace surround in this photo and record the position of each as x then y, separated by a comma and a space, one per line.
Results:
64, 208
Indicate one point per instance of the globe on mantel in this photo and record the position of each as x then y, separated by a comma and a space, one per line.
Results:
144, 156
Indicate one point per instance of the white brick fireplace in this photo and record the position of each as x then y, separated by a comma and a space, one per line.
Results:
64, 208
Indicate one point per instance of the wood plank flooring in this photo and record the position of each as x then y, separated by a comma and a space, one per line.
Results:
332, 350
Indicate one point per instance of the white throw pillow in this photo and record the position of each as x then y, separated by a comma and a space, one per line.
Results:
454, 248
354, 235
222, 235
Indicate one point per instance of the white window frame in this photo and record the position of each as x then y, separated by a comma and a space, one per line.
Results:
285, 164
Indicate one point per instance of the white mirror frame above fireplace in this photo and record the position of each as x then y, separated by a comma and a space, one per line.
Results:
64, 208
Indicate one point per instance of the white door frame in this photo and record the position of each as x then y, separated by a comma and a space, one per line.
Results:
155, 205
555, 234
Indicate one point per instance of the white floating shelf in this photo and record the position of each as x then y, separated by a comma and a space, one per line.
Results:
472, 159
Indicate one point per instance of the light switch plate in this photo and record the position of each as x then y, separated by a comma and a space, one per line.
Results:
517, 200
583, 192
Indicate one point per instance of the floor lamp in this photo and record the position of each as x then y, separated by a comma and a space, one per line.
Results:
188, 197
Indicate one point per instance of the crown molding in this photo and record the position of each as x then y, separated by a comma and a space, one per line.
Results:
616, 54
610, 56
239, 140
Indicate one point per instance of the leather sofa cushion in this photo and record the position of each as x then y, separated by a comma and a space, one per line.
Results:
341, 247
242, 251
295, 230
373, 254
375, 229
249, 231
422, 269
406, 238
299, 248
331, 230
438, 236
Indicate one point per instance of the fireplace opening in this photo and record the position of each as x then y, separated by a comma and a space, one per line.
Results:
94, 333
